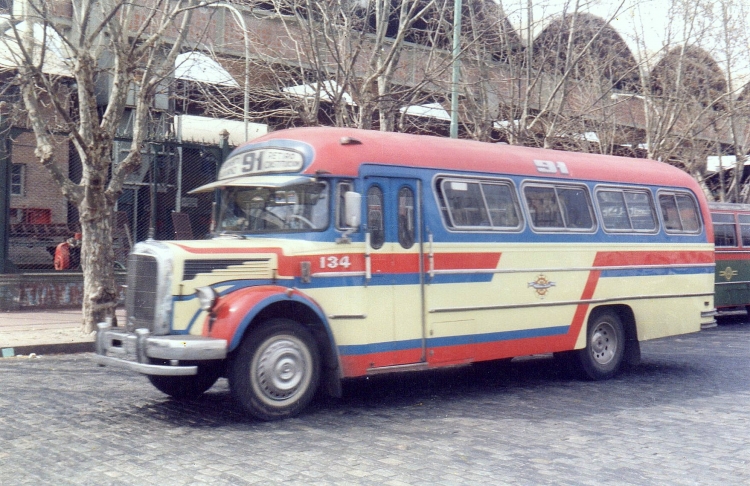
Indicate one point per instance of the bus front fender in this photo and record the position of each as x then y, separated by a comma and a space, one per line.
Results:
235, 312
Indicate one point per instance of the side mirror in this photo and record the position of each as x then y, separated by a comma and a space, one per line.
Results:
353, 210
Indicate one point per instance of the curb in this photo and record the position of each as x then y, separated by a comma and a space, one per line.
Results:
41, 349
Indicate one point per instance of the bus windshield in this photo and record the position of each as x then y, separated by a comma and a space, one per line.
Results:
253, 209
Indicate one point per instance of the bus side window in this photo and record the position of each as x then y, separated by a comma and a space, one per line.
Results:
577, 211
724, 230
406, 217
613, 209
641, 210
669, 213
626, 209
680, 213
375, 223
502, 205
688, 213
341, 189
543, 207
441, 202
745, 229
465, 203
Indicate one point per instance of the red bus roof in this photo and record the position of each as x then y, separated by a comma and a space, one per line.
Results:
390, 148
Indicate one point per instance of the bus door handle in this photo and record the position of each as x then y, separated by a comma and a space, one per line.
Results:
431, 257
368, 264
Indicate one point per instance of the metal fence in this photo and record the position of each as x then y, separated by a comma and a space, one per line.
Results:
155, 203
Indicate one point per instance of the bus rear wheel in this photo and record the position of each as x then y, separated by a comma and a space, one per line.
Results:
276, 370
605, 347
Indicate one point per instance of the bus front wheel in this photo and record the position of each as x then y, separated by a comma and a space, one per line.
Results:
605, 347
186, 387
276, 370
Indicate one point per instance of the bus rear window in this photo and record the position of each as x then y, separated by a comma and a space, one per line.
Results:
680, 213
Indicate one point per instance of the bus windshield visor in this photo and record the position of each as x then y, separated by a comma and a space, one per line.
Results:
248, 209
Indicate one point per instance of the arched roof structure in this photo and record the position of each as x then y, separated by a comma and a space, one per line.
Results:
697, 73
745, 93
485, 20
483, 23
607, 57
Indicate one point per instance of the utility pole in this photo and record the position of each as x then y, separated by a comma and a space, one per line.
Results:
458, 4
5, 176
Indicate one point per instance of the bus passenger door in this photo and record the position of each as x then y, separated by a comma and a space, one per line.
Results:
395, 277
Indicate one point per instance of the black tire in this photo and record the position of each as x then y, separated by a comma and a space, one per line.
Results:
602, 357
187, 387
276, 370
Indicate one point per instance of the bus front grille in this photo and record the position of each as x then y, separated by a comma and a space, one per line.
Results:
141, 293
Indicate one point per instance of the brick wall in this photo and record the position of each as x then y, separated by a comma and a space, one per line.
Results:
39, 190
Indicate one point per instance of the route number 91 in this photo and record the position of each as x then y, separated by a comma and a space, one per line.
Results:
549, 167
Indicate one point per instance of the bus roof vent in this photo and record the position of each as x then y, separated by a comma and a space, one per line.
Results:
349, 141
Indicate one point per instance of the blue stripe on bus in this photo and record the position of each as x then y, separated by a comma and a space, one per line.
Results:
393, 279
653, 272
364, 349
354, 281
402, 279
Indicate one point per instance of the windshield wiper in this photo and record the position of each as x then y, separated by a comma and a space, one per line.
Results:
230, 236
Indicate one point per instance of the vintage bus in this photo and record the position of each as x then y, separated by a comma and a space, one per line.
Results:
731, 224
341, 253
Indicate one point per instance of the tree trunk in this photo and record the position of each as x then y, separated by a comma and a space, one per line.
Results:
365, 115
97, 261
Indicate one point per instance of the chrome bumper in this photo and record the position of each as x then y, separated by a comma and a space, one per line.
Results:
133, 351
708, 319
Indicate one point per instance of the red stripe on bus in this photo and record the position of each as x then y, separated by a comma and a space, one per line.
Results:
395, 263
209, 251
625, 258
471, 261
733, 255
582, 309
357, 365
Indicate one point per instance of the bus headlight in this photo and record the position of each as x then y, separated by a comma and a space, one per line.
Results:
207, 297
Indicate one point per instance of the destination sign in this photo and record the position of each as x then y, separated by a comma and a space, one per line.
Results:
261, 161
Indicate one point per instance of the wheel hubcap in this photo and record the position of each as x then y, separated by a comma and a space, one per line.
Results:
604, 343
282, 369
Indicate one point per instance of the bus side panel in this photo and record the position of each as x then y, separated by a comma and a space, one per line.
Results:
656, 301
518, 310
539, 299
732, 278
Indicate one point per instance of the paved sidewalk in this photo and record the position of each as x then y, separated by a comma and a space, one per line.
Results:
49, 331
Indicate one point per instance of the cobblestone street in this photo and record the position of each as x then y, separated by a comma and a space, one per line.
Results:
681, 417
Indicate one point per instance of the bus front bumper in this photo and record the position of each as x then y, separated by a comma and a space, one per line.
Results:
135, 351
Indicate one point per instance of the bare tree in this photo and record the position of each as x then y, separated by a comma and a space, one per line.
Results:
538, 92
680, 105
334, 62
114, 48
733, 40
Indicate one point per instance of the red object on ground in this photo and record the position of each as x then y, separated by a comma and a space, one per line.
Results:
62, 256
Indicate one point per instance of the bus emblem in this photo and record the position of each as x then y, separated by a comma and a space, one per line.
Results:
541, 285
728, 273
